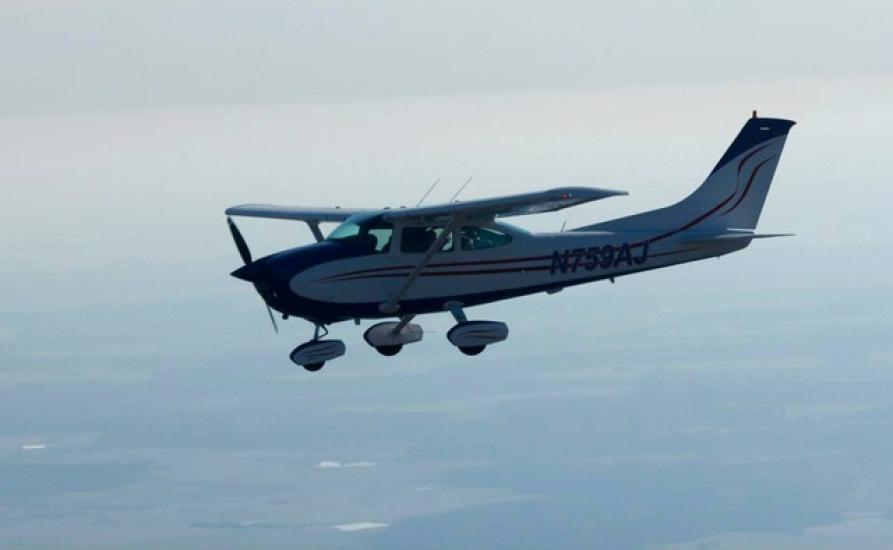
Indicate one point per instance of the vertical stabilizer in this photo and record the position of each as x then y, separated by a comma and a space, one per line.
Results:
733, 194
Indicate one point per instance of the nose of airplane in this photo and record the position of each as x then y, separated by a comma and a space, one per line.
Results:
254, 272
269, 274
272, 274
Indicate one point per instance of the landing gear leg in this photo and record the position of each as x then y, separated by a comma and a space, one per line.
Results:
456, 309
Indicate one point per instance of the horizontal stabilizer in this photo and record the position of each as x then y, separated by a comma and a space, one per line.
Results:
731, 235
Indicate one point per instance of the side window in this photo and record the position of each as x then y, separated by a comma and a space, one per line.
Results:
479, 238
382, 237
416, 240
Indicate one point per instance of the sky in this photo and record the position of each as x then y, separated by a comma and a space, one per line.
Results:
145, 400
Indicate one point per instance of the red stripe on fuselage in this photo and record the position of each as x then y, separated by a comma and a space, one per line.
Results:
689, 224
448, 264
445, 273
481, 271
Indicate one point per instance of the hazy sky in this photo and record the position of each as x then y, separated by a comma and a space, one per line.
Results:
104, 55
725, 405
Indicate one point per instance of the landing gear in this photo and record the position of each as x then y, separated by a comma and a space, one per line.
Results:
313, 355
473, 337
389, 338
388, 350
472, 350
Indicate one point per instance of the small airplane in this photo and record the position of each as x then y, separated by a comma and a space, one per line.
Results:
398, 263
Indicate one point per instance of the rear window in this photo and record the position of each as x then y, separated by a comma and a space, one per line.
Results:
479, 238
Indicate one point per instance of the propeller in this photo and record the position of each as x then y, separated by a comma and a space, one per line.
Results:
245, 253
240, 241
272, 319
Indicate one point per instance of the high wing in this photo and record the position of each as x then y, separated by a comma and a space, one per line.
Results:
505, 206
312, 216
300, 213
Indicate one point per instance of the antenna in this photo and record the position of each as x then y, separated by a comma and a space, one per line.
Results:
464, 185
563, 226
428, 192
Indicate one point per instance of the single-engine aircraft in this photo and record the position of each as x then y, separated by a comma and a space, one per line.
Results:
398, 263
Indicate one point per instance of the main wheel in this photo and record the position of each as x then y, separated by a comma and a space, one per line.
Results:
313, 367
389, 350
471, 350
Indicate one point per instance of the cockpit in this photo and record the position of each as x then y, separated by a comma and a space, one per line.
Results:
372, 234
367, 231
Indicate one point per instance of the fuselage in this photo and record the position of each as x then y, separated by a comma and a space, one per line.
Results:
340, 279
403, 262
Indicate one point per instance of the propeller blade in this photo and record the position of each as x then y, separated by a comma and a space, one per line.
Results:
239, 240
251, 271
272, 319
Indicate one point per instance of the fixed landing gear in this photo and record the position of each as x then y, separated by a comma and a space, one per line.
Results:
473, 337
313, 367
472, 350
388, 351
389, 338
313, 355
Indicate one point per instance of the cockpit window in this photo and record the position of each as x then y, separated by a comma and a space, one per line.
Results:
370, 233
416, 240
479, 238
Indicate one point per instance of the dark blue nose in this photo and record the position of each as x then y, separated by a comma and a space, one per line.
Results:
270, 275
254, 272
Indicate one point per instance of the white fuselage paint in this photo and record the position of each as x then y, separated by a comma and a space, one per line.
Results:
528, 261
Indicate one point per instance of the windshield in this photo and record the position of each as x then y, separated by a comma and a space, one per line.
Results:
367, 231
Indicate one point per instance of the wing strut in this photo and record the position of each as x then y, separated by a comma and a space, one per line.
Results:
391, 306
314, 228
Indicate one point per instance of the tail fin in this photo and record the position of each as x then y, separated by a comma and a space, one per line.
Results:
733, 194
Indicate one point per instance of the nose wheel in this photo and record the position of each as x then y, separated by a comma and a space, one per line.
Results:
313, 355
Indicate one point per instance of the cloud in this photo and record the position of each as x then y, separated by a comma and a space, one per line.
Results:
336, 464
360, 526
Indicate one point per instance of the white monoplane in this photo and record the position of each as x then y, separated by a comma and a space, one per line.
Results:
402, 262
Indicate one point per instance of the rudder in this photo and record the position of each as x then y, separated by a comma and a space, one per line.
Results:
733, 194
